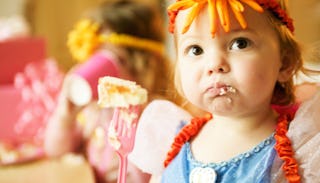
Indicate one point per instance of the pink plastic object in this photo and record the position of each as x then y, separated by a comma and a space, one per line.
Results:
100, 64
15, 54
10, 111
123, 125
25, 109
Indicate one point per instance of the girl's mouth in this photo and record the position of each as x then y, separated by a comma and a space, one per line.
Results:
221, 90
226, 89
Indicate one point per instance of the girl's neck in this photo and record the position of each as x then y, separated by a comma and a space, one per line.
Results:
232, 136
257, 122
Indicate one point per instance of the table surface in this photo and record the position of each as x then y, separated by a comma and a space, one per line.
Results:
62, 170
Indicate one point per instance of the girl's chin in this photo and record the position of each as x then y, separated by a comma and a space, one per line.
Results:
221, 105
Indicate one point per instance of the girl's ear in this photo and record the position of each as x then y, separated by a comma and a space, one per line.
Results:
287, 68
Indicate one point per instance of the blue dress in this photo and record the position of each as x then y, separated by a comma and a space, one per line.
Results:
253, 166
261, 164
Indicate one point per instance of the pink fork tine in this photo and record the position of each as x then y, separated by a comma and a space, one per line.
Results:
126, 136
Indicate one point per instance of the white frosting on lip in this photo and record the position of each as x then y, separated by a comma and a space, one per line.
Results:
224, 90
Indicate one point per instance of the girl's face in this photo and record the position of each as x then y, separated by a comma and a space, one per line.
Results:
233, 73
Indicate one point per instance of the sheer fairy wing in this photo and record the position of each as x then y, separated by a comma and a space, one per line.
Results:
157, 126
304, 132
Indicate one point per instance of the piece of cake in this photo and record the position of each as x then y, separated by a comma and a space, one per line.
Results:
116, 92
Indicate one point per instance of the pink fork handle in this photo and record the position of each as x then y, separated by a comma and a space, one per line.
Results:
122, 173
127, 140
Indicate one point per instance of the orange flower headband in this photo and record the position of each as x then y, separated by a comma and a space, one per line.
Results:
84, 39
220, 9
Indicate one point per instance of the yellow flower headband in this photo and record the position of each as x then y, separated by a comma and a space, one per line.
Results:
219, 9
84, 39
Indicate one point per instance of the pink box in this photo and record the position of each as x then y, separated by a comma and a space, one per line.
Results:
11, 141
16, 53
10, 98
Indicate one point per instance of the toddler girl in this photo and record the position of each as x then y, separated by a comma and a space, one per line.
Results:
236, 60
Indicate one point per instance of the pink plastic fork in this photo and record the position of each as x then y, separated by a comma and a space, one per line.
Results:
123, 125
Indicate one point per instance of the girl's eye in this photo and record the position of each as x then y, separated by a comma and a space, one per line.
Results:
240, 43
194, 50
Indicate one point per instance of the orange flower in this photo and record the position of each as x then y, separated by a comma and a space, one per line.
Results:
217, 9
83, 39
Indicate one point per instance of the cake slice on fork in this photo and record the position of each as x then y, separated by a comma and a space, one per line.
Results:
126, 97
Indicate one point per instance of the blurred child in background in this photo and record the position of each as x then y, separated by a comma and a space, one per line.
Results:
121, 39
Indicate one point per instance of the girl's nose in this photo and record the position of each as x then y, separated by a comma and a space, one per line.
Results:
217, 65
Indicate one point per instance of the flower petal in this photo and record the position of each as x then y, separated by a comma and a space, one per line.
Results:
212, 16
191, 16
254, 5
238, 15
181, 5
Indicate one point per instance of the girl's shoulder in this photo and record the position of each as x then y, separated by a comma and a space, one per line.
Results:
158, 124
306, 120
304, 132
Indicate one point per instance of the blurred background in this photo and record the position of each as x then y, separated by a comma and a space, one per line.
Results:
52, 19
